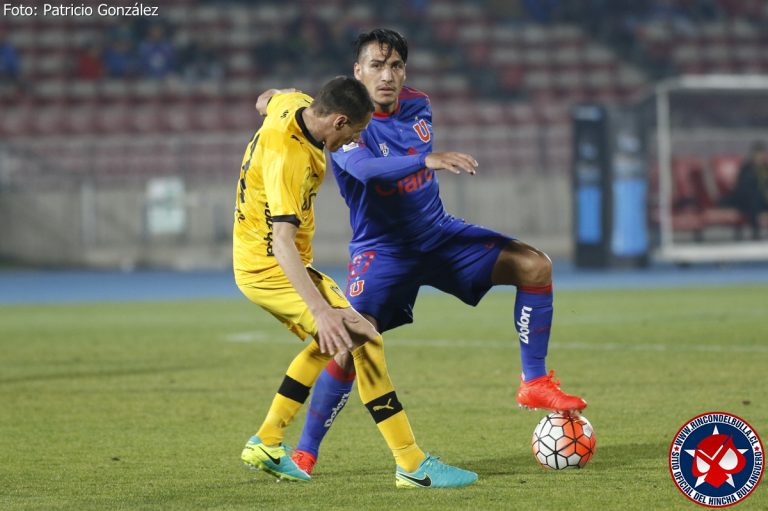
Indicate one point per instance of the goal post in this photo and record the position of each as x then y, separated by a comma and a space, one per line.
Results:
705, 126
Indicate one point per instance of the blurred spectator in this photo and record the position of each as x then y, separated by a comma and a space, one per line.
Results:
119, 60
344, 31
90, 63
267, 56
313, 51
509, 12
199, 60
413, 15
123, 29
750, 195
10, 62
541, 11
157, 54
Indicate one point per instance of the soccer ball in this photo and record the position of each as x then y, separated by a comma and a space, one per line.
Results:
563, 441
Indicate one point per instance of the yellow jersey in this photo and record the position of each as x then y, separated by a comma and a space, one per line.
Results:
280, 175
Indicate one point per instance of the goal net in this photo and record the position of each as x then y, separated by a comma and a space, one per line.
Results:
705, 126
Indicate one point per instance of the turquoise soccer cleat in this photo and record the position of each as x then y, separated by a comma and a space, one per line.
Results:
273, 460
433, 473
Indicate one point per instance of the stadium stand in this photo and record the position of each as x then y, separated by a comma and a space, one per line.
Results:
541, 68
523, 69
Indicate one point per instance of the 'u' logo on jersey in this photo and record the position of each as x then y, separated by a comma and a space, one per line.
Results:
422, 130
356, 287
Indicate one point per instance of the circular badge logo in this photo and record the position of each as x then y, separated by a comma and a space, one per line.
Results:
716, 459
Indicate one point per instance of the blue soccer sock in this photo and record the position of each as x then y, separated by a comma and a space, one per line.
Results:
533, 320
330, 394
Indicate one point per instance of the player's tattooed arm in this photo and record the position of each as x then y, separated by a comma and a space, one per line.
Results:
263, 99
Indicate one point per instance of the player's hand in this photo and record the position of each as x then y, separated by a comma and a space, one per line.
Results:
263, 100
452, 162
359, 328
332, 334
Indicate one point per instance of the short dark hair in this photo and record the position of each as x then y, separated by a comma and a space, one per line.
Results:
385, 37
344, 95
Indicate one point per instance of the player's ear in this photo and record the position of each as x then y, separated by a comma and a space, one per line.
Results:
340, 121
356, 70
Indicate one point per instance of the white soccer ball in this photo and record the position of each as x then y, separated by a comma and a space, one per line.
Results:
563, 441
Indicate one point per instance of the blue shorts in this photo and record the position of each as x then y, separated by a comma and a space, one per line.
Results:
384, 283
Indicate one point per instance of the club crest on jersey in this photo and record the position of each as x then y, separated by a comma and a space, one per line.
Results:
422, 130
716, 459
384, 149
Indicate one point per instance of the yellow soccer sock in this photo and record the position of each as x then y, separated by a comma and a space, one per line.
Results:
307, 365
280, 414
397, 432
293, 392
378, 395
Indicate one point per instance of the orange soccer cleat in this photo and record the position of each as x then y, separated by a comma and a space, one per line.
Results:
304, 460
544, 392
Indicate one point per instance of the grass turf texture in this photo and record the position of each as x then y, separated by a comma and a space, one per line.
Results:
147, 405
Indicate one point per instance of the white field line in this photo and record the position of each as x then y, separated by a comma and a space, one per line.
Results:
263, 338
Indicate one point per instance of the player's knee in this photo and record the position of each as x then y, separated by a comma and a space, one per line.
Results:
360, 329
537, 269
360, 338
345, 361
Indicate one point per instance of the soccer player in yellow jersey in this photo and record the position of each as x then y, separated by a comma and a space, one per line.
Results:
282, 169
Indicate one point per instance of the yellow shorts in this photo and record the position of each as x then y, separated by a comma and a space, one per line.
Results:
277, 296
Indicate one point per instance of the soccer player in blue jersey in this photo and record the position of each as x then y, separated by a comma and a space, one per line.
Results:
404, 239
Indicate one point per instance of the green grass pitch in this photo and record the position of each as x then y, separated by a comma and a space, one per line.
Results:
148, 405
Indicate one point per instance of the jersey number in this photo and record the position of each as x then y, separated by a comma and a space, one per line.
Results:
246, 166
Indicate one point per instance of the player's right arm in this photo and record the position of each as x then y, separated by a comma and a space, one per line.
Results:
332, 334
364, 166
452, 162
284, 176
263, 100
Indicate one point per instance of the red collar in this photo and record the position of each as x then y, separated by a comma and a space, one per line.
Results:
381, 115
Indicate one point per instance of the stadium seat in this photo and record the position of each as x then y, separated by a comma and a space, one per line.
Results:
15, 120
503, 35
114, 89
49, 120
242, 117
688, 188
473, 33
478, 54
82, 90
80, 120
177, 117
112, 118
145, 118
209, 117
725, 169
684, 205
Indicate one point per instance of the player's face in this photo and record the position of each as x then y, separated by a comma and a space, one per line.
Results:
345, 132
383, 76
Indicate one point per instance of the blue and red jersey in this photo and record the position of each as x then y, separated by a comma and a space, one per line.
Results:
393, 199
